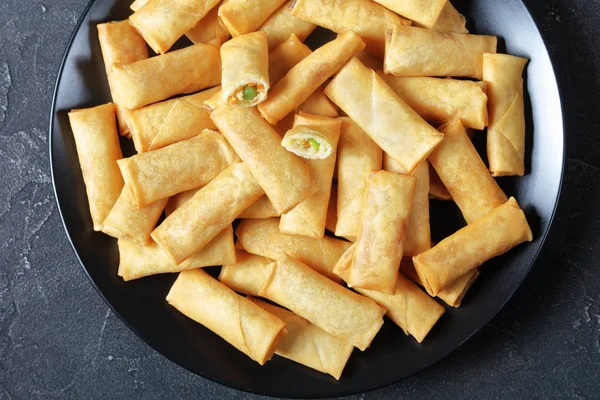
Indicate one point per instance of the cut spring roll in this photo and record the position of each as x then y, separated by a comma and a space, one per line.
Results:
283, 176
365, 17
313, 137
459, 254
120, 44
333, 308
263, 237
97, 142
209, 30
308, 344
247, 274
385, 117
207, 213
379, 246
439, 100
358, 157
242, 16
310, 73
182, 71
262, 208
437, 190
423, 12
451, 20
281, 24
182, 166
506, 133
465, 175
243, 324
412, 51
245, 76
163, 22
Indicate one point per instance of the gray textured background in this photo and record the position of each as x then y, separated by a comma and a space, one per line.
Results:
59, 340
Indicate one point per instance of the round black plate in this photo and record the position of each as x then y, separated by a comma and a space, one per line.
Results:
392, 357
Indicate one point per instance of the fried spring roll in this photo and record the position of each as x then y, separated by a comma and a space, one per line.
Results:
286, 55
209, 30
465, 175
385, 117
178, 200
437, 190
333, 308
137, 4
207, 213
262, 208
418, 232
331, 220
283, 176
242, 16
163, 22
314, 138
120, 44
176, 168
318, 104
423, 12
459, 254
451, 20
182, 71
358, 157
310, 73
308, 344
439, 101
367, 18
506, 133
263, 237
369, 60
281, 24
245, 59
412, 51
247, 274
243, 324
97, 142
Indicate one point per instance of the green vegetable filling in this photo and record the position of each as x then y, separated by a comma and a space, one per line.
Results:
250, 92
314, 144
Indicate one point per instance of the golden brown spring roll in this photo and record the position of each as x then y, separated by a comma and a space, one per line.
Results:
148, 81
209, 30
308, 217
418, 232
379, 246
120, 44
465, 175
310, 73
451, 20
365, 17
286, 55
207, 213
331, 220
242, 16
358, 157
263, 237
506, 133
137, 261
490, 236
282, 175
243, 324
385, 117
412, 51
333, 308
318, 104
245, 75
247, 274
262, 208
423, 12
308, 344
176, 168
97, 142
137, 4
440, 100
281, 24
163, 22
178, 200
369, 60
437, 190
313, 137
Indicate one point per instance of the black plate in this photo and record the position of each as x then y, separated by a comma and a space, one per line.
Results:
392, 357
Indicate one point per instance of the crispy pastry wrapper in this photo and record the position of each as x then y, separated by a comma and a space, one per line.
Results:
247, 274
286, 55
451, 20
331, 220
281, 24
423, 12
262, 208
437, 190
209, 30
318, 104
137, 4
241, 16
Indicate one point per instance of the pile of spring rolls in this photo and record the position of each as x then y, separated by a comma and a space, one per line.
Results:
250, 126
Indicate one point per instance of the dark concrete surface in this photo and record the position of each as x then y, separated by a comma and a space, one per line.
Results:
59, 340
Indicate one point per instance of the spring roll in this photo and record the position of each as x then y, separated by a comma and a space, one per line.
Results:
242, 16
465, 175
120, 44
423, 12
459, 254
262, 208
243, 324
318, 104
365, 17
506, 133
209, 30
137, 4
97, 142
369, 60
182, 71
247, 274
439, 101
331, 220
358, 157
385, 117
308, 344
418, 232
451, 20
282, 175
263, 237
314, 138
437, 190
163, 22
333, 308
310, 73
283, 57
412, 51
281, 24
245, 76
